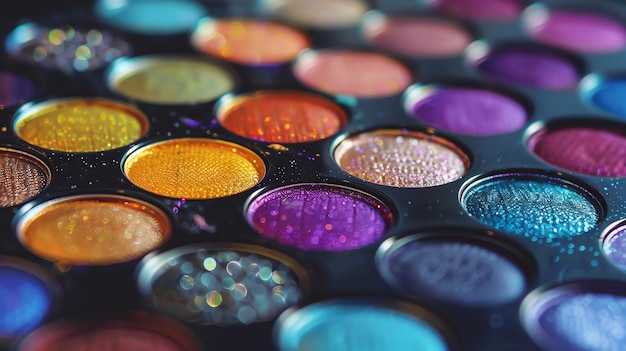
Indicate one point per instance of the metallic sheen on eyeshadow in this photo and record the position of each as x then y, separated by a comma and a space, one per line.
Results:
532, 206
401, 159
22, 177
194, 168
321, 217
282, 116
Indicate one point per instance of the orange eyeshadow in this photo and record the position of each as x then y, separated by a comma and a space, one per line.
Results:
282, 117
246, 41
81, 125
93, 229
194, 168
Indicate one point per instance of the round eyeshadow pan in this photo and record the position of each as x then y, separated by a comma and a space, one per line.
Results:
319, 14
281, 117
352, 73
148, 17
26, 296
614, 246
15, 89
579, 317
80, 124
244, 41
222, 284
321, 217
401, 158
607, 95
590, 150
464, 273
65, 48
358, 324
194, 168
575, 30
170, 79
97, 229
469, 111
130, 330
532, 67
416, 36
22, 177
531, 205
481, 10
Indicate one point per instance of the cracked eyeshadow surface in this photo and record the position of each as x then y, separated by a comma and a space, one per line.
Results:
533, 207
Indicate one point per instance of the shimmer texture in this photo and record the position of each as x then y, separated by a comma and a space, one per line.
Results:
466, 110
585, 150
93, 230
461, 273
341, 326
352, 73
531, 67
417, 36
319, 217
609, 96
282, 117
575, 31
15, 89
24, 301
245, 41
194, 168
81, 125
482, 10
401, 159
170, 79
531, 206
22, 177
614, 246
222, 287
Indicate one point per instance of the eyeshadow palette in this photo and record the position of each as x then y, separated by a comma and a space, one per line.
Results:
313, 175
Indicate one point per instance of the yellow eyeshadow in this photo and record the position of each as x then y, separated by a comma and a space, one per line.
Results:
194, 168
170, 80
93, 229
81, 125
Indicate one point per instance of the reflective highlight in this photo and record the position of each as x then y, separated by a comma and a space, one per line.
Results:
402, 159
352, 73
194, 168
282, 117
320, 217
93, 229
222, 285
533, 206
170, 79
244, 41
80, 125
346, 325
22, 177
614, 246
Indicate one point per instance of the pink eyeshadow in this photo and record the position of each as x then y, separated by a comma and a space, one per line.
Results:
421, 37
353, 73
482, 10
585, 150
576, 31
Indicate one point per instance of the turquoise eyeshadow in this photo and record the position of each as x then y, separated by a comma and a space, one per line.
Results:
609, 96
534, 207
348, 327
151, 17
24, 301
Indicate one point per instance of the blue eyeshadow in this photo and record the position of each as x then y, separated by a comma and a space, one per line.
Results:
343, 325
609, 96
24, 301
532, 206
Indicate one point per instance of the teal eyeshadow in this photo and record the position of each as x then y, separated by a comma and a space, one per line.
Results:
534, 207
349, 327
152, 17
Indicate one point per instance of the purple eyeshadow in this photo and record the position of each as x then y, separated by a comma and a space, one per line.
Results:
614, 246
15, 89
458, 272
319, 217
469, 111
586, 150
529, 67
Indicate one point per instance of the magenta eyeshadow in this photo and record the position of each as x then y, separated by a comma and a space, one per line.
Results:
319, 217
585, 150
